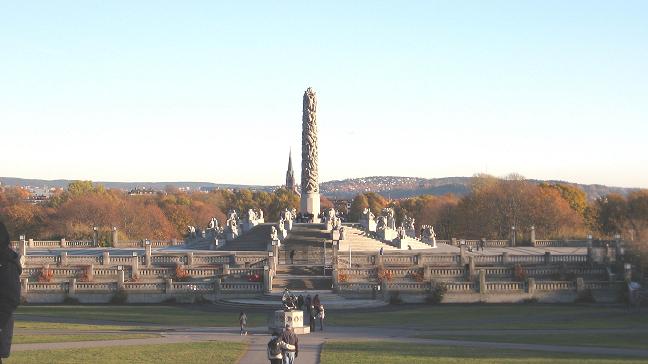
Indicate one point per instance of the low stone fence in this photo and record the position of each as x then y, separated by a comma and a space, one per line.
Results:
457, 292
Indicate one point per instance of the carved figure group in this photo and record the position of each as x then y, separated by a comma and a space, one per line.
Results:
288, 301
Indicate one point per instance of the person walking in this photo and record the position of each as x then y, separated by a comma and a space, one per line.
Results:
10, 270
243, 323
312, 313
320, 316
316, 301
276, 348
289, 337
292, 256
381, 250
300, 302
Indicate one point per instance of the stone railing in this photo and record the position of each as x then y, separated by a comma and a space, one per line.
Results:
504, 286
241, 287
459, 287
555, 285
561, 243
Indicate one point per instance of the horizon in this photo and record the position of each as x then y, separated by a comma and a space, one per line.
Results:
151, 91
326, 181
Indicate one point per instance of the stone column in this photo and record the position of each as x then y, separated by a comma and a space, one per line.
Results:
105, 258
482, 281
168, 286
226, 269
64, 258
30, 243
135, 266
190, 259
547, 258
310, 198
95, 236
22, 248
531, 286
471, 268
24, 285
453, 241
91, 272
63, 244
580, 285
114, 236
267, 279
505, 258
72, 287
120, 279
147, 256
427, 273
590, 241
217, 286
533, 238
462, 254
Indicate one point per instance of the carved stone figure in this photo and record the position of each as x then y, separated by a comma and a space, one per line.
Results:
288, 301
381, 223
274, 235
310, 203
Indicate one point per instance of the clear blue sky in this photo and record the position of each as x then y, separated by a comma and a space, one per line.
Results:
207, 91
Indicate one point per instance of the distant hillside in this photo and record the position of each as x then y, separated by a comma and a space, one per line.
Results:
388, 186
158, 186
404, 187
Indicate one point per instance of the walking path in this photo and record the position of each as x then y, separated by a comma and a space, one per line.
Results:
311, 345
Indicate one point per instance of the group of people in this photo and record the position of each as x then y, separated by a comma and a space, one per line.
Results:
313, 308
283, 348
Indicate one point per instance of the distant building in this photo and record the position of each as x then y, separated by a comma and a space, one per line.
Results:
290, 176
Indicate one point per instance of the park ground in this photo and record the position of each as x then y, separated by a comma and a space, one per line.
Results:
478, 333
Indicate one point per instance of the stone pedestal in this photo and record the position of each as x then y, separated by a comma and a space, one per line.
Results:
310, 204
387, 234
280, 318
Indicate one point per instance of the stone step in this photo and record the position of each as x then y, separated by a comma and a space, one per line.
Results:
304, 283
300, 270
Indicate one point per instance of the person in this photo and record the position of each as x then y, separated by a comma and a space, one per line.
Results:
276, 348
290, 338
243, 323
10, 270
300, 302
409, 247
316, 301
381, 250
312, 313
320, 316
292, 256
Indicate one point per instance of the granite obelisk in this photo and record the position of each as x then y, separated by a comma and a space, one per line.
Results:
310, 197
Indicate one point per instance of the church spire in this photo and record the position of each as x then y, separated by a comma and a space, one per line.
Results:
290, 174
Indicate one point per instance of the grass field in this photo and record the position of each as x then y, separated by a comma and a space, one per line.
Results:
209, 352
613, 340
477, 316
59, 338
158, 315
386, 352
507, 316
65, 326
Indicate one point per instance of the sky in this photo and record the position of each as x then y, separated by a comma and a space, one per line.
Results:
212, 91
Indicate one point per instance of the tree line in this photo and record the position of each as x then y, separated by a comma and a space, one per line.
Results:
72, 213
494, 205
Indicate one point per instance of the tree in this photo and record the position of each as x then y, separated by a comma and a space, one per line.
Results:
360, 202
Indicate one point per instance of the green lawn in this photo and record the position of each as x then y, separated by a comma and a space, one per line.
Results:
209, 352
399, 353
60, 338
492, 316
159, 315
65, 326
615, 340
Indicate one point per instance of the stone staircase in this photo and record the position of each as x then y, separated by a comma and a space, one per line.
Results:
302, 277
256, 239
358, 240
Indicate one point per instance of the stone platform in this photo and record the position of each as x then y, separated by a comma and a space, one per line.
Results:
280, 318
